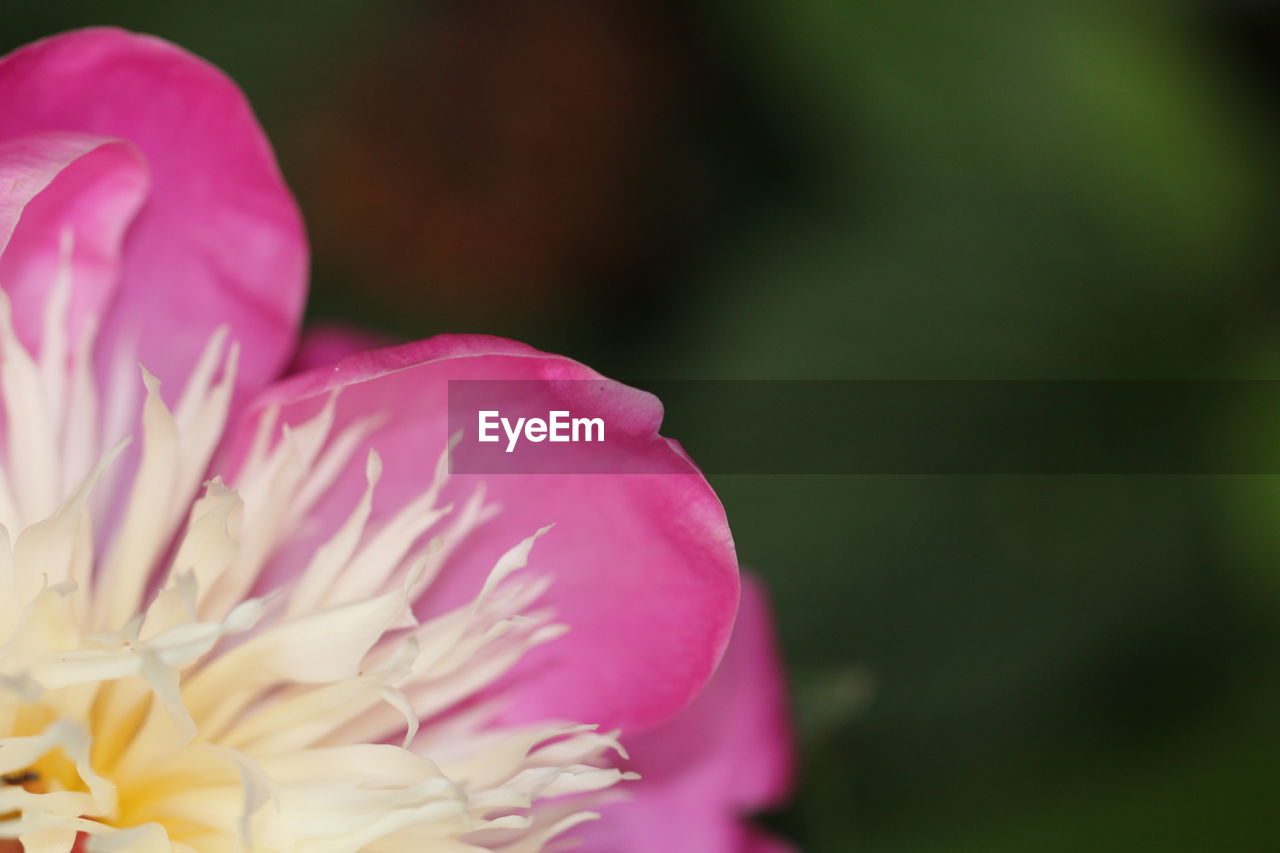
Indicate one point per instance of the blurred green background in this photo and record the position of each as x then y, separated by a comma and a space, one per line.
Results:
875, 189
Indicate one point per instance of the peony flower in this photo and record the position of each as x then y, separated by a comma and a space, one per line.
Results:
246, 614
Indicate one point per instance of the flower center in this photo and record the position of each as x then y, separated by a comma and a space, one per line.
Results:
150, 702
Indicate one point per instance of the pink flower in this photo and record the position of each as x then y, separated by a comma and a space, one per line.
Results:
237, 612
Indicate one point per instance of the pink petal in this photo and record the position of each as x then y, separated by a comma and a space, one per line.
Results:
325, 344
670, 824
728, 754
736, 737
644, 567
219, 239
53, 184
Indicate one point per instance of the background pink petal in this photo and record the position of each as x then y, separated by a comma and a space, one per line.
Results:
325, 344
727, 755
644, 566
219, 239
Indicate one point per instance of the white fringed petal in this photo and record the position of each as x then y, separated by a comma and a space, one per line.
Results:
151, 703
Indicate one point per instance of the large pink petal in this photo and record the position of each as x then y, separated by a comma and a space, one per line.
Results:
727, 755
56, 184
219, 239
644, 567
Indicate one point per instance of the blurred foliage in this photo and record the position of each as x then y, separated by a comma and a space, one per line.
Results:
873, 189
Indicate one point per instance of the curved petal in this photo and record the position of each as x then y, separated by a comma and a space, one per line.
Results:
727, 755
59, 185
643, 565
219, 239
66, 200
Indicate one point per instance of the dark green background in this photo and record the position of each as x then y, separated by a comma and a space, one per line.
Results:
877, 189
